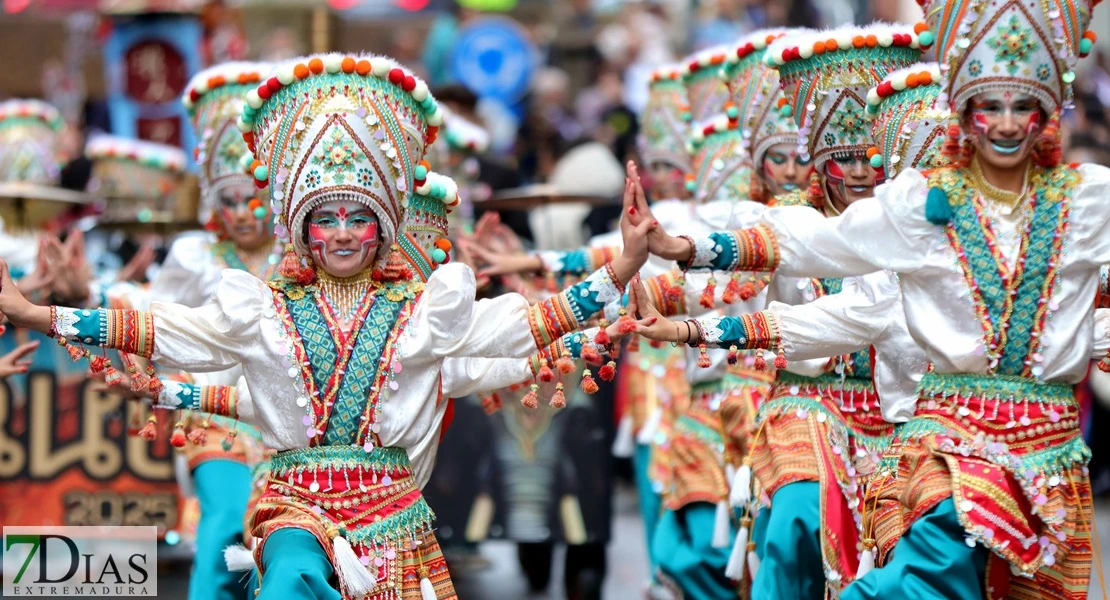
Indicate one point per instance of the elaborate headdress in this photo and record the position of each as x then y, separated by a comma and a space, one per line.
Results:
334, 127
140, 181
214, 99
757, 95
722, 169
30, 142
909, 125
705, 90
665, 120
1018, 45
463, 135
825, 77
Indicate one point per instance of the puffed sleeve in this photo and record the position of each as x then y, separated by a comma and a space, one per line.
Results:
833, 325
1089, 222
207, 338
506, 326
888, 231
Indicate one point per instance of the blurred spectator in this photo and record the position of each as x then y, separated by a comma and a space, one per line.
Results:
572, 38
440, 42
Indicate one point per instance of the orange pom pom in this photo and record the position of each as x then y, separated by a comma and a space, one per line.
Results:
912, 80
565, 364
362, 67
708, 295
872, 151
748, 291
760, 362
177, 438
316, 66
780, 361
871, 41
590, 355
301, 71
155, 386
919, 27
609, 371
625, 324
443, 244
819, 47
924, 78
150, 430
530, 400
588, 384
602, 337
348, 65
558, 400
546, 375
831, 45
199, 435
704, 362
859, 41
732, 289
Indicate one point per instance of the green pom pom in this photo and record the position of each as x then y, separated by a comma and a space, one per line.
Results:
687, 116
438, 191
691, 186
260, 212
1068, 77
786, 110
420, 172
733, 112
877, 161
926, 38
439, 255
261, 172
937, 209
1085, 46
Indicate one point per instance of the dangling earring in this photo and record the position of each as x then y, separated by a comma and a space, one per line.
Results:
815, 195
293, 267
953, 148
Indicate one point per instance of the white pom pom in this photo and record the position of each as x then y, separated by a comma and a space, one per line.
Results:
333, 63
380, 67
866, 562
885, 39
436, 118
843, 41
427, 590
623, 443
353, 575
720, 123
201, 87
873, 96
721, 527
898, 83
425, 189
805, 51
741, 493
243, 126
285, 75
238, 558
253, 99
420, 92
734, 569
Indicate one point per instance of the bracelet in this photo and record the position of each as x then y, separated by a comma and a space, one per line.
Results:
674, 344
693, 252
689, 332
53, 321
701, 332
613, 277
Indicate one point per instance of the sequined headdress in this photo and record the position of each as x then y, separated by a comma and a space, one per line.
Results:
139, 180
665, 121
825, 78
908, 124
334, 127
722, 169
1018, 45
757, 94
705, 90
30, 142
214, 100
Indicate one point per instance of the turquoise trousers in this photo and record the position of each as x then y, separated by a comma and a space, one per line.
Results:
223, 489
650, 502
788, 545
296, 568
683, 549
930, 562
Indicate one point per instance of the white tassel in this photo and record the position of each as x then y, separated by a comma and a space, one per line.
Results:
753, 562
238, 558
427, 590
720, 525
866, 560
647, 432
741, 493
623, 443
734, 570
353, 575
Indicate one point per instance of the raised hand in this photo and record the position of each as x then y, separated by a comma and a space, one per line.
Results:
73, 286
13, 362
18, 310
660, 243
500, 263
635, 227
43, 275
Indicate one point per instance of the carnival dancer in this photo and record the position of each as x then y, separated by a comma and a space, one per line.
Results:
344, 360
990, 474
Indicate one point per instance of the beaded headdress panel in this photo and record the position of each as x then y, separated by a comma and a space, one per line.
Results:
137, 179
214, 100
722, 169
705, 90
30, 142
331, 127
423, 240
757, 95
908, 124
665, 121
825, 77
1018, 45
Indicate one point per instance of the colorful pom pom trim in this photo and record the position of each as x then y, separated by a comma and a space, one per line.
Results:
32, 109
805, 46
147, 154
903, 79
714, 126
212, 79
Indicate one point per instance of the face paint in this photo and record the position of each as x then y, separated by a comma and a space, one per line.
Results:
338, 230
1004, 124
784, 169
850, 178
240, 224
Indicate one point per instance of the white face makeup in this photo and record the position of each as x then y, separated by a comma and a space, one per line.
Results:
1003, 126
343, 238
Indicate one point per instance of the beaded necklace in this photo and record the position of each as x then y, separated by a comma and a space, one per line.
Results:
344, 295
